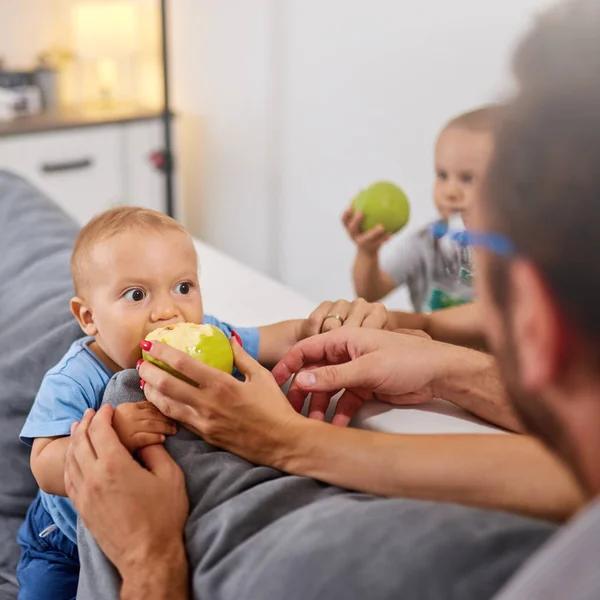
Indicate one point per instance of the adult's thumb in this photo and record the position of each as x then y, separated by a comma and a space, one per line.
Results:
331, 378
245, 364
156, 459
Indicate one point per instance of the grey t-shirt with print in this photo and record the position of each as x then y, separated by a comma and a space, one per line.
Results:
436, 270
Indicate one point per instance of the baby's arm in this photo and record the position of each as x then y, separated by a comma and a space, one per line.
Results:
48, 464
277, 339
371, 282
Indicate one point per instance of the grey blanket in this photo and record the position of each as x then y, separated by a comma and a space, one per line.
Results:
255, 533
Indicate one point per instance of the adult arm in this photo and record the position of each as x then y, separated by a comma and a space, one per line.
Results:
254, 420
399, 369
136, 513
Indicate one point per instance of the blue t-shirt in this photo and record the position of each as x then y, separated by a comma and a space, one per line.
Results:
75, 384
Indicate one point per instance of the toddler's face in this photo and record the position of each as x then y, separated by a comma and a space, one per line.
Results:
461, 159
139, 281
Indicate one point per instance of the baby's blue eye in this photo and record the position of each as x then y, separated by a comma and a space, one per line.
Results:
135, 295
183, 288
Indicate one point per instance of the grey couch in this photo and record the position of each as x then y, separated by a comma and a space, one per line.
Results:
254, 532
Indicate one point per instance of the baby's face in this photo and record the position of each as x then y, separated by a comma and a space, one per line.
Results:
461, 159
139, 281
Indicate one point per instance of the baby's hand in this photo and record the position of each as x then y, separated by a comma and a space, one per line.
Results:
368, 241
140, 424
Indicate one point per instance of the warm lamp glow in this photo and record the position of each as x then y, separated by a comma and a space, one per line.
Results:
105, 29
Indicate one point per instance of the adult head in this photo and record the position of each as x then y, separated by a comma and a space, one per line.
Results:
543, 194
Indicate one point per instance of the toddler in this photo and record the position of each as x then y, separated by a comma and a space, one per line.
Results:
435, 268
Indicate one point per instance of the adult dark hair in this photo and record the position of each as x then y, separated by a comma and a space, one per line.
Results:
543, 184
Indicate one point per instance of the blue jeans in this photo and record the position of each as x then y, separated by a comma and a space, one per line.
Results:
49, 566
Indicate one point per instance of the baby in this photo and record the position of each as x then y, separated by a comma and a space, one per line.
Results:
134, 270
434, 268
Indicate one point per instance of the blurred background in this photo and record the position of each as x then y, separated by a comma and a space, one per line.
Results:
282, 111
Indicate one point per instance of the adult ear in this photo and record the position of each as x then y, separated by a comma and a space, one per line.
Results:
538, 327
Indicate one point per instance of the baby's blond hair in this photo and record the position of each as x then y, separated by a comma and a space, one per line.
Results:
484, 119
110, 223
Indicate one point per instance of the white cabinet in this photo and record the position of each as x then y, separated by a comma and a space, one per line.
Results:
89, 169
143, 184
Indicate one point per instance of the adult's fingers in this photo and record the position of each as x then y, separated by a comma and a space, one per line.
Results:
377, 316
346, 408
319, 403
172, 387
198, 372
329, 347
331, 378
73, 473
103, 437
340, 308
178, 411
80, 447
158, 461
357, 313
296, 395
245, 364
316, 318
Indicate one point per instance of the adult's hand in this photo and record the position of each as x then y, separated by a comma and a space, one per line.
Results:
252, 418
392, 367
136, 514
358, 313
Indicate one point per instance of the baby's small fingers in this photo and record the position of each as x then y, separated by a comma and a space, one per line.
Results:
354, 224
375, 234
347, 216
157, 426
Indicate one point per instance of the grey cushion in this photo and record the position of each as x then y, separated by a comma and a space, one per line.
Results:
36, 328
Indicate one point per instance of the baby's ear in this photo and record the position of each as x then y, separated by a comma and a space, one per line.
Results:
84, 316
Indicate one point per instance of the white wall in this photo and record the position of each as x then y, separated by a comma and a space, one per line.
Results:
222, 54
291, 106
367, 85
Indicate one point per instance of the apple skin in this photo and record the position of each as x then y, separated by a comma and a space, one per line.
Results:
383, 203
205, 343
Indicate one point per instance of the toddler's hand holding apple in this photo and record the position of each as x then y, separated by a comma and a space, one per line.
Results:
375, 215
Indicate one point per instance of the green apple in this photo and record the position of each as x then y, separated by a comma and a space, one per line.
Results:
206, 343
383, 203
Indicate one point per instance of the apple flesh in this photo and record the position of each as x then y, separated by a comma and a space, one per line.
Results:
383, 203
205, 343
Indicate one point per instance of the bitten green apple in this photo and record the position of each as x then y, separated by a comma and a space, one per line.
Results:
205, 343
383, 203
